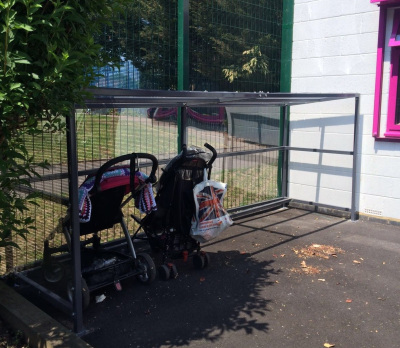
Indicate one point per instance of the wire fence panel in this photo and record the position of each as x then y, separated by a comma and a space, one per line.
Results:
103, 134
235, 45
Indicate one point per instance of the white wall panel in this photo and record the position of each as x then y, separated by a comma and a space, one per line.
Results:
334, 51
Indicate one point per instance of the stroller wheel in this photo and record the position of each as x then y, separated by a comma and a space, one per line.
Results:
207, 259
199, 261
53, 273
173, 271
164, 272
85, 293
147, 267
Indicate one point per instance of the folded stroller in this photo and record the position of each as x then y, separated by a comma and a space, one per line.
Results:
168, 228
101, 198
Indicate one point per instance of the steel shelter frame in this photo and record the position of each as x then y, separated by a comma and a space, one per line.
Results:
121, 98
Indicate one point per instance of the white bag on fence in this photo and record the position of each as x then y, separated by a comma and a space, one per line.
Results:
210, 217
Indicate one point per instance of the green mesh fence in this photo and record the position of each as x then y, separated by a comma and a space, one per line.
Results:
233, 46
145, 39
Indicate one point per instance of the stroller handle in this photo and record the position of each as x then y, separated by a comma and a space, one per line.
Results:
131, 157
214, 153
206, 145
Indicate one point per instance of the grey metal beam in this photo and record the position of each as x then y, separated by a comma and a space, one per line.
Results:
77, 313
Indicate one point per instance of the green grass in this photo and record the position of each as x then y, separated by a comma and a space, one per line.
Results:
249, 185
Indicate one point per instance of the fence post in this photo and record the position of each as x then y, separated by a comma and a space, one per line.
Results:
183, 61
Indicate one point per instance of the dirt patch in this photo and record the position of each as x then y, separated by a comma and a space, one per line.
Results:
317, 251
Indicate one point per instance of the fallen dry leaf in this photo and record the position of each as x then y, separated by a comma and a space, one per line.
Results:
349, 300
356, 261
303, 264
328, 345
321, 280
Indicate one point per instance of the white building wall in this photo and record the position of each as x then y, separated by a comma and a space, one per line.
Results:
334, 51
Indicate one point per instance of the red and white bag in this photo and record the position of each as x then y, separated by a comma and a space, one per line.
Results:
210, 217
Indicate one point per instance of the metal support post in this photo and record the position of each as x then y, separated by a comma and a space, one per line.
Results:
183, 126
74, 223
285, 125
355, 149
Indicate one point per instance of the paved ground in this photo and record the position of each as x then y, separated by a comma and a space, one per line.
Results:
289, 278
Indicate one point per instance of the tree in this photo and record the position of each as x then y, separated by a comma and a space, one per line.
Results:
48, 58
225, 39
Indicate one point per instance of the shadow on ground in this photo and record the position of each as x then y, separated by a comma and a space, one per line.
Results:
229, 296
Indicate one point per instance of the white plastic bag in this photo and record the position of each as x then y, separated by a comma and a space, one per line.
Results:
210, 217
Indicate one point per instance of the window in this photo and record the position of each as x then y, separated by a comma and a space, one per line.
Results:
393, 124
389, 21
395, 37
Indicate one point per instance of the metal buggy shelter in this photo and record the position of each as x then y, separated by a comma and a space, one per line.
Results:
118, 98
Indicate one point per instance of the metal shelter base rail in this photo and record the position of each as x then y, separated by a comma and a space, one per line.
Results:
120, 98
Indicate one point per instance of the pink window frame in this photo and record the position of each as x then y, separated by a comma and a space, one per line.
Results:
396, 22
392, 129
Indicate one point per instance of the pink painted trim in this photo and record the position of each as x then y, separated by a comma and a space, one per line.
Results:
379, 72
392, 134
396, 22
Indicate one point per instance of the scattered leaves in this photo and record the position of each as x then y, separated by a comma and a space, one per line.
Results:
305, 269
318, 250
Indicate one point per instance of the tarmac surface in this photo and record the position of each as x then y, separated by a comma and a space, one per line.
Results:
287, 278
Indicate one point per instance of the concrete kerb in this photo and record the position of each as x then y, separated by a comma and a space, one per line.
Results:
39, 329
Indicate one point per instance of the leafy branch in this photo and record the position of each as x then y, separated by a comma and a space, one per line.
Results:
257, 63
49, 57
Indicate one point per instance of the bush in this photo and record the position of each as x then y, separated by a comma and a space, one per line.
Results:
49, 56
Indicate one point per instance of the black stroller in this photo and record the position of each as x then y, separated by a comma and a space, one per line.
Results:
101, 198
168, 228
